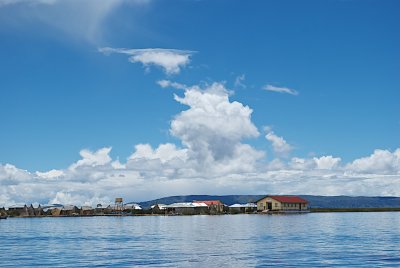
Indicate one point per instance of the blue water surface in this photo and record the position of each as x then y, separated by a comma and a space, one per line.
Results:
310, 240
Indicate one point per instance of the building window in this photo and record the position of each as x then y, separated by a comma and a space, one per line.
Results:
276, 204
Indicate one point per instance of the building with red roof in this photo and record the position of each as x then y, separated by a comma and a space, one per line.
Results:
214, 206
282, 203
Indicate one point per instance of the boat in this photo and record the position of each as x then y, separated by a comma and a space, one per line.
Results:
3, 217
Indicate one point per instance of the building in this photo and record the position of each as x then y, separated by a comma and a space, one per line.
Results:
186, 208
132, 208
87, 210
69, 210
18, 211
214, 206
55, 211
51, 209
3, 211
38, 211
119, 205
114, 209
104, 209
99, 210
243, 208
158, 209
282, 203
24, 211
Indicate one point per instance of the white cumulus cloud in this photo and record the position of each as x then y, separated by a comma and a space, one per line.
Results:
89, 158
381, 161
212, 157
164, 152
11, 175
327, 162
279, 144
51, 174
213, 126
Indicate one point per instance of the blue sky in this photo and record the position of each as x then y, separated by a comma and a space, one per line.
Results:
61, 94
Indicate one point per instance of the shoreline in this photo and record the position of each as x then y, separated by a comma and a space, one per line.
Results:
312, 210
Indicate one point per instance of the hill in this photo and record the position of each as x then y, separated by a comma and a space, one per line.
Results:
314, 200
352, 201
226, 199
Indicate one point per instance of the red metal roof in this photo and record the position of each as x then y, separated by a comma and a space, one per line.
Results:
288, 199
209, 202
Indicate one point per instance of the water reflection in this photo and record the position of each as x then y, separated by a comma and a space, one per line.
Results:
323, 239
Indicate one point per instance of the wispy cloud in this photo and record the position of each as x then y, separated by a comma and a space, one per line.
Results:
239, 81
168, 83
31, 2
280, 89
171, 60
76, 19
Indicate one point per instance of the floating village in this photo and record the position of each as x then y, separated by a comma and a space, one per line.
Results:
269, 204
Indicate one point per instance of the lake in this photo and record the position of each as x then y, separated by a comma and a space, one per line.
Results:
309, 240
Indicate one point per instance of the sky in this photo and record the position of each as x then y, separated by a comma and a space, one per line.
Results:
148, 98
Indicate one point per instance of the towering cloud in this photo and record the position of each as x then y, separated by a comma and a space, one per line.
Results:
212, 127
212, 158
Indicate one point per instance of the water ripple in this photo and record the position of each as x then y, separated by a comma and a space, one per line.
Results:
312, 240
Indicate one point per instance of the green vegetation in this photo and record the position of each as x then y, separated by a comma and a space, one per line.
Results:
353, 209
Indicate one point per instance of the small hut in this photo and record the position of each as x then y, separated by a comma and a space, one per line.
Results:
214, 206
99, 210
3, 211
132, 208
38, 211
18, 211
158, 209
87, 210
187, 208
243, 208
69, 210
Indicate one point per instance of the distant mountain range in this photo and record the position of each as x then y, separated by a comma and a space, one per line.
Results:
315, 201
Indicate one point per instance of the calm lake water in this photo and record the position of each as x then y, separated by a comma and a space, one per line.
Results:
312, 240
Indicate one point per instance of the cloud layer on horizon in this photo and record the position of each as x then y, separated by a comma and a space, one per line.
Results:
213, 158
